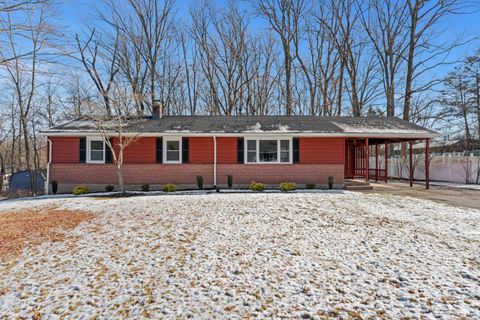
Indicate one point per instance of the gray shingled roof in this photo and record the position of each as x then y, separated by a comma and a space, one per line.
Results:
257, 124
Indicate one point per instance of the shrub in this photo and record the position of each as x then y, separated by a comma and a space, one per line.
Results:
330, 182
257, 186
288, 186
200, 182
310, 186
80, 190
54, 185
109, 188
230, 181
145, 187
170, 188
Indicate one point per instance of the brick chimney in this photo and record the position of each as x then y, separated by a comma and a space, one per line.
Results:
157, 109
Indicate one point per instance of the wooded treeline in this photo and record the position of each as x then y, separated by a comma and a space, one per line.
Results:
257, 57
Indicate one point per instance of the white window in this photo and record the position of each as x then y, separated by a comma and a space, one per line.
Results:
251, 150
95, 150
172, 151
268, 150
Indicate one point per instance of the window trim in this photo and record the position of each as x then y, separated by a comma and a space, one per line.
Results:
166, 139
278, 139
89, 148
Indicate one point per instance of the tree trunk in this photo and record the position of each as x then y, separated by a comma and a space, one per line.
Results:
27, 153
411, 56
340, 89
468, 136
120, 178
477, 93
288, 75
2, 172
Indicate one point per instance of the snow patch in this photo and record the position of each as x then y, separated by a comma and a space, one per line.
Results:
286, 255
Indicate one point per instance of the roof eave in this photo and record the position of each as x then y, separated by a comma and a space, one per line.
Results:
386, 135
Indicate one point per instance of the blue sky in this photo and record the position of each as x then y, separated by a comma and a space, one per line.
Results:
75, 15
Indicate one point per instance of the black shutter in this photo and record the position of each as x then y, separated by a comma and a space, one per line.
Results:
159, 150
296, 150
184, 150
108, 152
240, 150
83, 150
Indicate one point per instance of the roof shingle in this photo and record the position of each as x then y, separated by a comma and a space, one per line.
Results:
257, 124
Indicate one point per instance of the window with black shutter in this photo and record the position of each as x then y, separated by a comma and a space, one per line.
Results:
108, 152
83, 150
296, 150
159, 150
240, 150
184, 150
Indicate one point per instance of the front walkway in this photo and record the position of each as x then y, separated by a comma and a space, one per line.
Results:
444, 193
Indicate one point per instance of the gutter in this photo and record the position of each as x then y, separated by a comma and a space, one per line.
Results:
47, 181
411, 135
214, 162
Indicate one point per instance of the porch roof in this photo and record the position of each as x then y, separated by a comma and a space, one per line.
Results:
381, 127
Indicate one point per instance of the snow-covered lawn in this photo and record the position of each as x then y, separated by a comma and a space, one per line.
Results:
251, 255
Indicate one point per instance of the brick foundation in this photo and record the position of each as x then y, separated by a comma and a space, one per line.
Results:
96, 176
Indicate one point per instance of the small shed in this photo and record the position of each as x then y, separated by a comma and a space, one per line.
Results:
20, 181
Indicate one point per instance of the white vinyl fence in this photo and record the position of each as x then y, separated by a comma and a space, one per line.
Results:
446, 167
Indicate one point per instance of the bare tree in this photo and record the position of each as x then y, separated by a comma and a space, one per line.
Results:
284, 17
423, 54
472, 68
21, 64
113, 129
93, 52
385, 24
455, 99
226, 55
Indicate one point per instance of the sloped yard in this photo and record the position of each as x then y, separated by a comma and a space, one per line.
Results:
316, 255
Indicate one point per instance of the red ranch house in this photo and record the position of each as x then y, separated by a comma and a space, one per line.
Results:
268, 149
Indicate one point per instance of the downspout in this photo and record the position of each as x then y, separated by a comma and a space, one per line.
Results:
214, 162
47, 181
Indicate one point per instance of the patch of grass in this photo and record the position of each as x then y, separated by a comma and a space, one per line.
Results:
25, 228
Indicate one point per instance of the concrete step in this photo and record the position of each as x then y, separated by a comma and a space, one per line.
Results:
350, 182
359, 187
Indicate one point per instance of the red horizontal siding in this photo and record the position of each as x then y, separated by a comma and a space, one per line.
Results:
227, 150
322, 150
65, 149
141, 151
200, 150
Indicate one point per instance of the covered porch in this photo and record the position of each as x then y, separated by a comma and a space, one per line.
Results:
363, 155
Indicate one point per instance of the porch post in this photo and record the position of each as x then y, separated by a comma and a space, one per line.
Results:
427, 164
386, 162
376, 162
410, 167
367, 160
